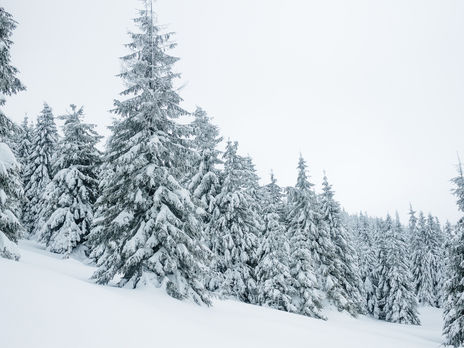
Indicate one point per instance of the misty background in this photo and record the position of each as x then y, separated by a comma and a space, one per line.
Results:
369, 91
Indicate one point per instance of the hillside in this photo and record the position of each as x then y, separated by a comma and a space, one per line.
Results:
49, 302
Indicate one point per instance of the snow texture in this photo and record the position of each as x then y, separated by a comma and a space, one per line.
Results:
36, 311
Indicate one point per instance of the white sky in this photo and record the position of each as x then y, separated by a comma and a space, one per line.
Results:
370, 91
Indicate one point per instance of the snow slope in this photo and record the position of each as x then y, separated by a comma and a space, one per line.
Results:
46, 301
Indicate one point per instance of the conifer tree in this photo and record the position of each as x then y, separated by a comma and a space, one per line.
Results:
448, 237
10, 196
10, 84
424, 263
69, 199
440, 264
397, 303
22, 149
23, 142
412, 229
234, 229
448, 231
367, 259
303, 217
251, 178
453, 313
38, 171
275, 284
343, 282
379, 225
204, 185
10, 183
428, 254
146, 227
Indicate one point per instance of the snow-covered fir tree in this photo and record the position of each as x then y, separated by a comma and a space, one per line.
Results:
342, 282
448, 235
424, 263
234, 229
38, 171
146, 227
412, 229
251, 178
438, 249
23, 148
302, 223
10, 195
395, 294
367, 246
275, 283
23, 142
10, 182
427, 242
205, 185
448, 232
67, 210
9, 82
453, 312
427, 260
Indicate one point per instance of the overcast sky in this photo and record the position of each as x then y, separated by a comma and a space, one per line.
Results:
370, 91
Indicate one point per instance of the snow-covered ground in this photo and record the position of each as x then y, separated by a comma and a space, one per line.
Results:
46, 301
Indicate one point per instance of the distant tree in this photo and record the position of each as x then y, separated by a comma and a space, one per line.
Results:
10, 182
67, 211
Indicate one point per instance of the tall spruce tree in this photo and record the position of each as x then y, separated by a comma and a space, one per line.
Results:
448, 237
425, 263
38, 171
69, 199
453, 313
302, 219
343, 282
10, 183
396, 298
234, 229
146, 225
23, 142
275, 283
204, 184
439, 252
10, 195
367, 246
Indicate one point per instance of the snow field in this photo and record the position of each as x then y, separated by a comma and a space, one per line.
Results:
47, 301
